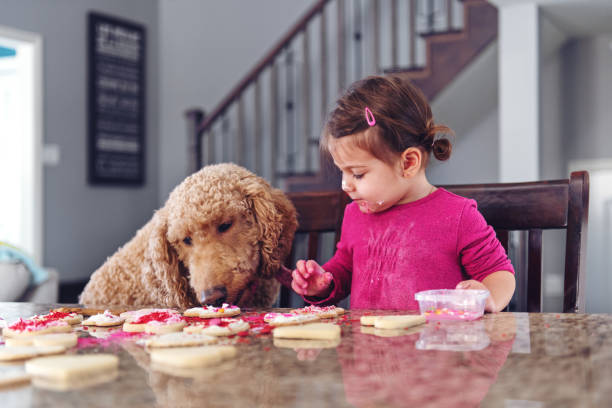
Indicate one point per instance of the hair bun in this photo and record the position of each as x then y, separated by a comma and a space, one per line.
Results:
442, 149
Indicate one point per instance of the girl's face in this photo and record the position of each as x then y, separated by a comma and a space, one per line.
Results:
373, 184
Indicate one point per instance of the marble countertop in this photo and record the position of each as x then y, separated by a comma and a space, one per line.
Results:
502, 360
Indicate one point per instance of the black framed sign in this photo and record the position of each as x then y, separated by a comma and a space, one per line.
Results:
116, 100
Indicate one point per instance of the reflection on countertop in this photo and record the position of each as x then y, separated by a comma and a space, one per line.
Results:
550, 359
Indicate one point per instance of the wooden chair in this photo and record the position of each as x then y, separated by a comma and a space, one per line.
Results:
530, 207
533, 207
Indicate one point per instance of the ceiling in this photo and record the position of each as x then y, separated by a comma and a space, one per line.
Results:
576, 18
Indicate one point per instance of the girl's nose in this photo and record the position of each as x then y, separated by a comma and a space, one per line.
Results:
346, 186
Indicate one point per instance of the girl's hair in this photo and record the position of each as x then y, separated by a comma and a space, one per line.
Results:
401, 114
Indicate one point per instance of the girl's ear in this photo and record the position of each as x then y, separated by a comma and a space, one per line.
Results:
411, 161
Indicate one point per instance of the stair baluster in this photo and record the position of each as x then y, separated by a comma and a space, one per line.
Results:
380, 41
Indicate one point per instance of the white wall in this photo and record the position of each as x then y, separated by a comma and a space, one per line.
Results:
206, 47
587, 79
552, 154
468, 105
84, 224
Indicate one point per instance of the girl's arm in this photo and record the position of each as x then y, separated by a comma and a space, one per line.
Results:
500, 284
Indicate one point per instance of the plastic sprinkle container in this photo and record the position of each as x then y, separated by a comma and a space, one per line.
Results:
452, 304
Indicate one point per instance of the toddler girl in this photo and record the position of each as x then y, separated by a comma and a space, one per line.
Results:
401, 234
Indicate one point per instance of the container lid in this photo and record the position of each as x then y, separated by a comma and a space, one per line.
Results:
452, 295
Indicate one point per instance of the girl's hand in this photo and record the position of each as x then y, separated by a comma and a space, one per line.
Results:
309, 279
474, 284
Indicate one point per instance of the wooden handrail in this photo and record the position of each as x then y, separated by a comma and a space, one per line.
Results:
267, 60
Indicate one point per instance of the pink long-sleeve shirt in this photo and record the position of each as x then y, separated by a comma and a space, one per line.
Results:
383, 259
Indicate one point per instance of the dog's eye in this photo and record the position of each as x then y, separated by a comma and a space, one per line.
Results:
224, 227
187, 240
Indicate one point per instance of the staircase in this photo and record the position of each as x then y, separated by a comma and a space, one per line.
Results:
270, 122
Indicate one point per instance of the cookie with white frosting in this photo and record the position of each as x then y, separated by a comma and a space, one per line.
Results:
105, 319
288, 319
226, 310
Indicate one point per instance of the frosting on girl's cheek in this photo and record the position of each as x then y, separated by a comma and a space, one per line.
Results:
371, 206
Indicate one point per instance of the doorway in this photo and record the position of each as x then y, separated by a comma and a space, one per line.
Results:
599, 236
21, 141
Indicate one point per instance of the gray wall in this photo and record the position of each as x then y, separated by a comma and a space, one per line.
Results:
84, 224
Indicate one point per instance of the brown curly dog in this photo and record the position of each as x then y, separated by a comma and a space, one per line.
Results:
221, 237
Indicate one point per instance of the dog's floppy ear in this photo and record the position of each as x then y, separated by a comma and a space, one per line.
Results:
277, 221
161, 265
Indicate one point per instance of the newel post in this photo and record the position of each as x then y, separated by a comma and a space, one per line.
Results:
194, 120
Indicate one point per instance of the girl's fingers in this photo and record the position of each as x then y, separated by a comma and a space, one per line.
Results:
312, 267
296, 288
462, 285
299, 280
324, 281
301, 266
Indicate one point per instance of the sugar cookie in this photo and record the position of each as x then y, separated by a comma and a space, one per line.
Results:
25, 352
181, 339
367, 320
71, 367
71, 318
398, 321
317, 331
192, 356
75, 383
103, 332
152, 320
13, 378
226, 310
156, 327
324, 312
35, 326
287, 319
389, 332
104, 319
66, 340
306, 344
225, 327
19, 341
130, 314
87, 311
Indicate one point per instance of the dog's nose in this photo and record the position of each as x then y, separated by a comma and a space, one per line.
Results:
215, 296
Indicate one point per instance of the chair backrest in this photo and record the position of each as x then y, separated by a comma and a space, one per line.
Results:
531, 207
318, 213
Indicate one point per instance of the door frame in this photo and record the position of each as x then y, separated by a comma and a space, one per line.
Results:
37, 206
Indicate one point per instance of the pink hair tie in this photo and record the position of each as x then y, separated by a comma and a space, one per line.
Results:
369, 117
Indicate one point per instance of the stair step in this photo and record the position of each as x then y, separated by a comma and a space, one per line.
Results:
305, 174
445, 33
400, 69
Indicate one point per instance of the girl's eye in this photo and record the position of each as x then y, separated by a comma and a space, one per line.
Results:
224, 227
358, 176
187, 240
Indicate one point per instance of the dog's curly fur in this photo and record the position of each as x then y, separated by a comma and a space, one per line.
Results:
222, 231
